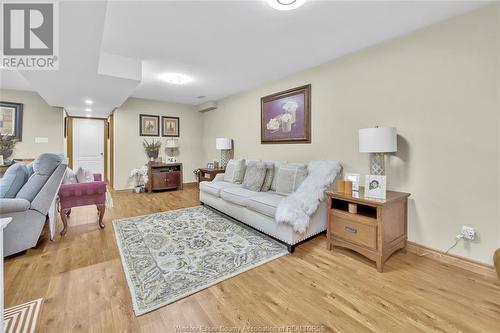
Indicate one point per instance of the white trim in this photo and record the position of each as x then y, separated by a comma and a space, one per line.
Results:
139, 312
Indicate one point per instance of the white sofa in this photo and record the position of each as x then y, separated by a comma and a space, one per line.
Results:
258, 209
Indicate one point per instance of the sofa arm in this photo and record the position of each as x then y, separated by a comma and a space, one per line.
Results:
218, 177
81, 189
13, 205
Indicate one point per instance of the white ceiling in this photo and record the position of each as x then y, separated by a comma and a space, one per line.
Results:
225, 46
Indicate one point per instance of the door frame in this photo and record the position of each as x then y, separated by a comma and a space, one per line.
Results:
70, 142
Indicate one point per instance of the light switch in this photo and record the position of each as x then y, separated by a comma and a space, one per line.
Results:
41, 140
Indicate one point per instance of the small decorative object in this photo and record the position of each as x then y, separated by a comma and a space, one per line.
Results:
7, 144
354, 178
216, 164
224, 145
172, 146
341, 186
375, 186
377, 141
149, 125
152, 149
352, 208
210, 165
170, 126
348, 187
140, 177
286, 116
11, 120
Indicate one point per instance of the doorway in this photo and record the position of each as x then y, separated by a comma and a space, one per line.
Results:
89, 145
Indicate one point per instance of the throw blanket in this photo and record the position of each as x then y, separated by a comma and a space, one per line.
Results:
297, 208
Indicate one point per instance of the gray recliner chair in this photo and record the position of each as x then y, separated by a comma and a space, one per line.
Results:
32, 203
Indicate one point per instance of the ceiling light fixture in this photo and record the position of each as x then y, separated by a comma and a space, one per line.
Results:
89, 102
175, 78
285, 4
88, 110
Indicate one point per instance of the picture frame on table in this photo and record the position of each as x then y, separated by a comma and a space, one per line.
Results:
375, 187
354, 178
210, 165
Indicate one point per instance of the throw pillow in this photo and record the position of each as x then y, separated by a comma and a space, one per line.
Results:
70, 177
254, 176
13, 179
268, 180
275, 174
235, 171
84, 176
290, 176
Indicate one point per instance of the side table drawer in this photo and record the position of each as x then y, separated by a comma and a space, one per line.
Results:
362, 234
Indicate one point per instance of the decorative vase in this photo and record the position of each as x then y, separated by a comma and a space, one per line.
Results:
152, 154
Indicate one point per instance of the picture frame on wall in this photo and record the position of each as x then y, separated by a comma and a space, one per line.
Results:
149, 125
285, 117
375, 187
11, 119
170, 126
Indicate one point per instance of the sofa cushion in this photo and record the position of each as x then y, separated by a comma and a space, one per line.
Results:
214, 187
235, 171
43, 167
265, 203
13, 179
290, 176
268, 179
10, 205
237, 195
254, 176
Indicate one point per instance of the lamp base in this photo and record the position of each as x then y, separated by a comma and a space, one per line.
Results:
377, 164
225, 156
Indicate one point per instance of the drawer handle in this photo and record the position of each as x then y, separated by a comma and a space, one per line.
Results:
351, 230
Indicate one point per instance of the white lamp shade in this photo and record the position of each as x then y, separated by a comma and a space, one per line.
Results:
223, 144
172, 143
378, 140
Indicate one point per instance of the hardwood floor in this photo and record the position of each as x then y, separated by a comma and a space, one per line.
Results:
81, 279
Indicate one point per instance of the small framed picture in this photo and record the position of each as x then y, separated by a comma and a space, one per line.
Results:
354, 178
170, 159
375, 187
149, 125
216, 164
170, 126
210, 165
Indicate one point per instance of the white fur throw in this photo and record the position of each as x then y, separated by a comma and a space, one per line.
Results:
296, 208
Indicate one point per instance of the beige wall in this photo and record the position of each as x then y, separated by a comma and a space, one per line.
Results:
129, 152
39, 120
440, 88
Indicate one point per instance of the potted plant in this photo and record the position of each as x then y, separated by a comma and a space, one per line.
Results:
140, 177
7, 143
152, 149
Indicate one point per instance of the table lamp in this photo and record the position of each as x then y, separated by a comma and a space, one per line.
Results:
377, 141
171, 148
224, 145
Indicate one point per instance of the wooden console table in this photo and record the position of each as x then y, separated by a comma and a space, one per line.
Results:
164, 176
208, 174
374, 228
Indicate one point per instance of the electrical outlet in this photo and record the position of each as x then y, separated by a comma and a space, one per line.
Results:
468, 233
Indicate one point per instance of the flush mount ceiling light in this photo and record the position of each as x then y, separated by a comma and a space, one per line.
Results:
175, 78
88, 110
285, 4
89, 102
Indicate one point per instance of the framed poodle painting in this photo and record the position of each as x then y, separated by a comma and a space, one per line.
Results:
286, 116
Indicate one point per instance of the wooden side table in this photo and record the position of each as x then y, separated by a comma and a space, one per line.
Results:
374, 228
208, 174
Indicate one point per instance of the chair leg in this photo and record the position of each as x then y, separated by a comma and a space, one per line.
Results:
101, 209
68, 213
64, 218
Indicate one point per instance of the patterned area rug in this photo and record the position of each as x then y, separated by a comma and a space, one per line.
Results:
171, 255
22, 318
